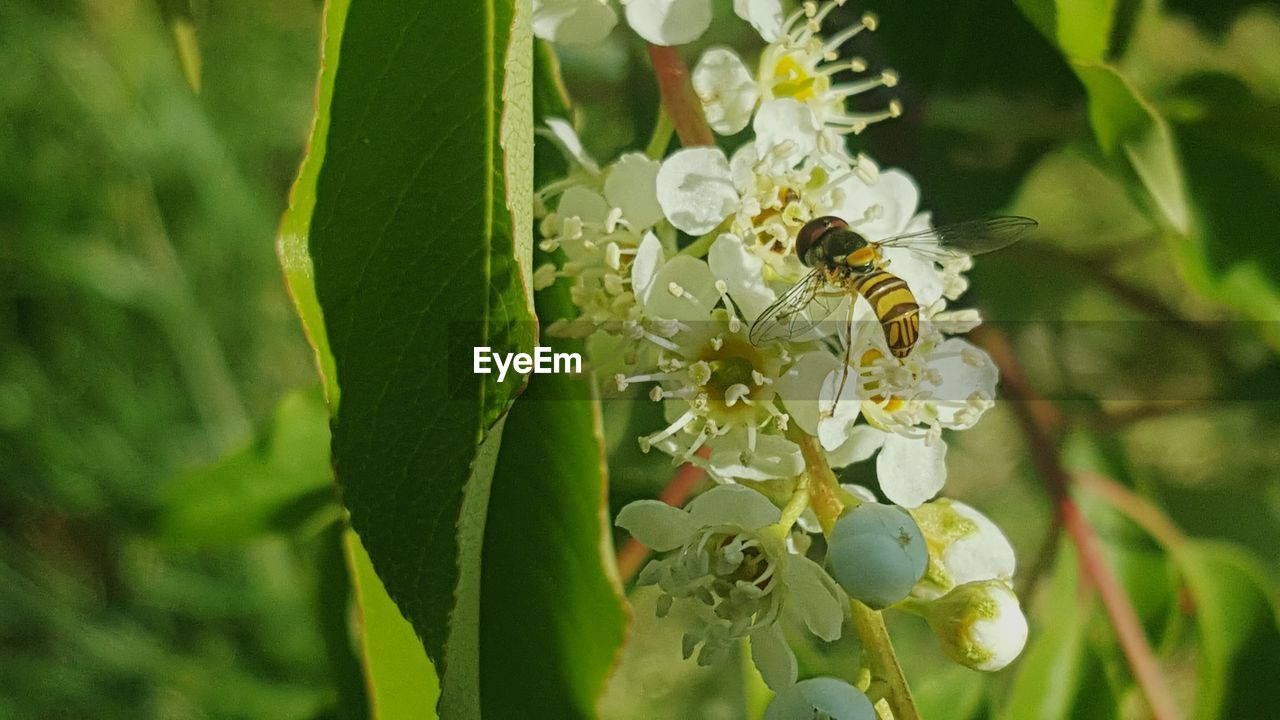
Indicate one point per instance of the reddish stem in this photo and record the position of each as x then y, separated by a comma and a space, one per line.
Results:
633, 555
678, 98
1039, 420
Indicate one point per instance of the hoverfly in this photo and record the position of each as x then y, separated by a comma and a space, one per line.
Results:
846, 264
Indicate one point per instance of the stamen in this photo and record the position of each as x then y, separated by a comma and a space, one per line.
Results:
647, 442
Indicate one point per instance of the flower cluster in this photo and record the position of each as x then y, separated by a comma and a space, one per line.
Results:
675, 258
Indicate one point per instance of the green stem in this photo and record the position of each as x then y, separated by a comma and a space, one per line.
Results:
877, 648
795, 506
700, 247
661, 138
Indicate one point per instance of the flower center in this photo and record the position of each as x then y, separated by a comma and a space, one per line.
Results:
869, 359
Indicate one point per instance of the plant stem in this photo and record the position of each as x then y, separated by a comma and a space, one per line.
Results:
1038, 428
877, 647
661, 138
877, 651
701, 246
679, 100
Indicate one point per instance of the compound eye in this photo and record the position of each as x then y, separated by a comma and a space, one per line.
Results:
812, 233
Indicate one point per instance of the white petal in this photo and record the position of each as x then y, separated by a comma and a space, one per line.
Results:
862, 443
656, 524
733, 505
669, 22
682, 289
965, 369
774, 458
743, 272
785, 127
773, 657
814, 597
632, 185
984, 554
895, 195
695, 189
573, 22
583, 203
800, 385
764, 15
838, 413
911, 471
566, 137
645, 266
1005, 633
727, 90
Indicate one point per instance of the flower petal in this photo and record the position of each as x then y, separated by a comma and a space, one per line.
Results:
743, 272
563, 135
632, 186
773, 657
911, 470
656, 524
774, 458
895, 195
984, 554
861, 443
838, 413
733, 505
785, 128
682, 289
764, 15
582, 203
799, 388
669, 22
695, 190
965, 370
814, 597
727, 90
573, 22
645, 266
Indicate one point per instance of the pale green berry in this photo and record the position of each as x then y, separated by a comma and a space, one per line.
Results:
877, 554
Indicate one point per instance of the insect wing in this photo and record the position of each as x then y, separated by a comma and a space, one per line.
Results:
972, 237
798, 311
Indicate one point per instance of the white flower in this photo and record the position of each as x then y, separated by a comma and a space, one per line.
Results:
762, 193
964, 547
798, 64
730, 555
669, 22
946, 383
573, 21
600, 234
979, 624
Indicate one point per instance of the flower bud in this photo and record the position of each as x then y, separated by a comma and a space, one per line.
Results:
820, 697
980, 624
877, 554
964, 546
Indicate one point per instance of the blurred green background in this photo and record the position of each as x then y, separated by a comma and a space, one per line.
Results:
168, 544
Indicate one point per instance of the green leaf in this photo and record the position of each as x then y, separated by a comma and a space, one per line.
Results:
1127, 125
552, 616
278, 480
407, 244
1235, 611
401, 680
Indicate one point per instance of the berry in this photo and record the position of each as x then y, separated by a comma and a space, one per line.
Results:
820, 697
877, 554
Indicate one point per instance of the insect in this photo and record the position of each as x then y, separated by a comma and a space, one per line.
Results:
846, 264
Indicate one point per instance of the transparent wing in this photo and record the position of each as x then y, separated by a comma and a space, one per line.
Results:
798, 311
972, 237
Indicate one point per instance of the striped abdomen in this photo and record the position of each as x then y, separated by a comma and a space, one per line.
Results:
895, 306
